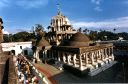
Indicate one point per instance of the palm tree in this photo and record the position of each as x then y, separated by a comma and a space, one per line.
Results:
80, 29
85, 30
48, 28
114, 30
39, 27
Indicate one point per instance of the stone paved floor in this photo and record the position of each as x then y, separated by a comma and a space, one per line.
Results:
49, 71
112, 75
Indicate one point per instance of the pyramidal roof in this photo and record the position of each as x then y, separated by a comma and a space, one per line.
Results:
42, 43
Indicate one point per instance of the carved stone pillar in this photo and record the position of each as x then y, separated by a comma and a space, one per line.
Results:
34, 54
92, 58
80, 62
45, 54
106, 53
74, 60
101, 53
58, 25
97, 56
59, 55
112, 54
69, 36
64, 58
69, 59
37, 55
86, 58
112, 50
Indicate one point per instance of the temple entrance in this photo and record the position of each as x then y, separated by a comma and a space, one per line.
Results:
40, 54
25, 52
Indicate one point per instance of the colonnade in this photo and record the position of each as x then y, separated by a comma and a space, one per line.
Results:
104, 55
59, 28
59, 37
64, 36
45, 54
81, 61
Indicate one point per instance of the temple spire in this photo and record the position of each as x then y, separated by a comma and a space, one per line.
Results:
58, 9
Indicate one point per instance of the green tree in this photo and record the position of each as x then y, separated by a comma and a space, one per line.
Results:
124, 35
21, 36
93, 35
39, 30
85, 30
39, 27
110, 35
6, 37
105, 35
80, 29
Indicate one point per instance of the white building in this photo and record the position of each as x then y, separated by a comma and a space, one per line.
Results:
18, 47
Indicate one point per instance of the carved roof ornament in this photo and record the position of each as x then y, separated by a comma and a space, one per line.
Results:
1, 20
58, 9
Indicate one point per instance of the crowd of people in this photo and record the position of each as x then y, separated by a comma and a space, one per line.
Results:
25, 71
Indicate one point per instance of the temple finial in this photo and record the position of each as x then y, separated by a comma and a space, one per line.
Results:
58, 9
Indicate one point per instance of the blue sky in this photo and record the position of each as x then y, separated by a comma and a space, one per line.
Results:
21, 15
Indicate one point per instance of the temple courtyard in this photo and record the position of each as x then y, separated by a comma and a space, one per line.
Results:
115, 74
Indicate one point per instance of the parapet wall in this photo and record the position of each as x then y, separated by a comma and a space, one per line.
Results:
9, 74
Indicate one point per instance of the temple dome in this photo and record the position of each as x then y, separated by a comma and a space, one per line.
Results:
78, 39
